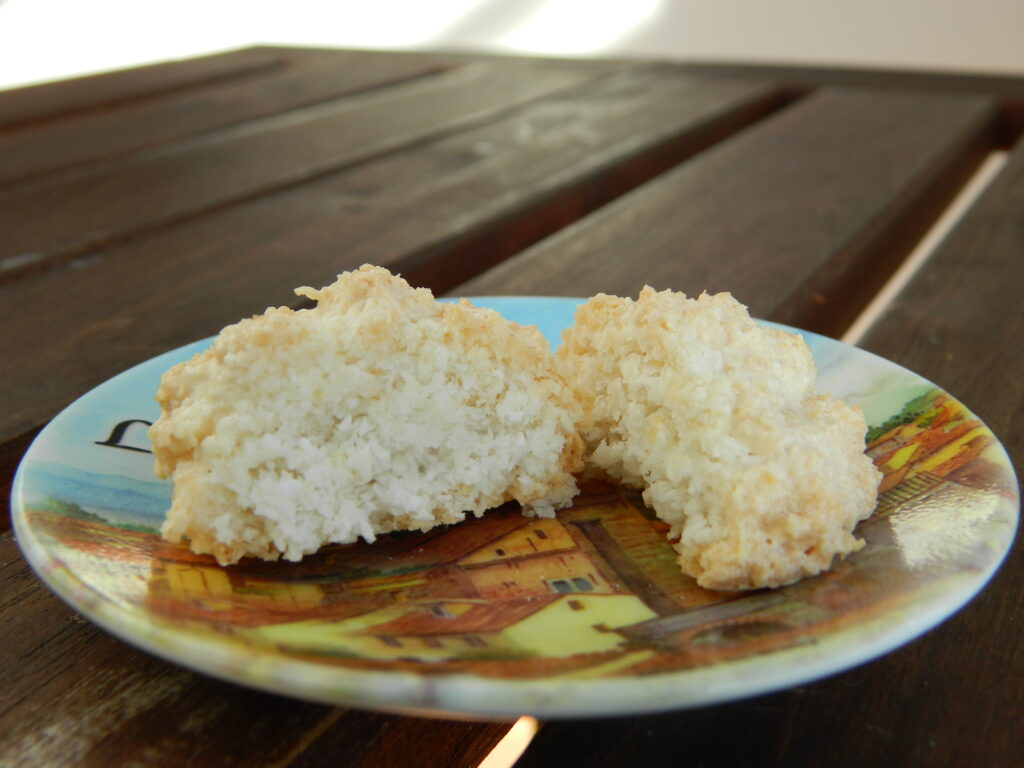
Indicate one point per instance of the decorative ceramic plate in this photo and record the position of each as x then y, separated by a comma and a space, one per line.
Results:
582, 615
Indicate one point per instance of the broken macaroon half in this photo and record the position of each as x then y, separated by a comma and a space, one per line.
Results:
716, 420
380, 409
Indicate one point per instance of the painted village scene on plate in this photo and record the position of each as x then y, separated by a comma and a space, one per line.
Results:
593, 593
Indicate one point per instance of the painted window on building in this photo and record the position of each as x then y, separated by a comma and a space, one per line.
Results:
577, 584
583, 585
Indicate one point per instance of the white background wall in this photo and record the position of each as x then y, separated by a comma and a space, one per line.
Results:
52, 39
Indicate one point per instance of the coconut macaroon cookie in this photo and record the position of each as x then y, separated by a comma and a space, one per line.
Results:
715, 418
378, 410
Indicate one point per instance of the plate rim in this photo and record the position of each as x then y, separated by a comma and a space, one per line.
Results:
479, 697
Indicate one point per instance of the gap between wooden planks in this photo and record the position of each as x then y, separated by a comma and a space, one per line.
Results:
931, 240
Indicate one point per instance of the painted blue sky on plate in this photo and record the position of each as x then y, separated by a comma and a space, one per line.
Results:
71, 438
879, 387
549, 315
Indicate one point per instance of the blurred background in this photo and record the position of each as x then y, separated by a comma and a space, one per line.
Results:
44, 40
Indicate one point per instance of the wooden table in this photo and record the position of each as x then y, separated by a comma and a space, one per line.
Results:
143, 209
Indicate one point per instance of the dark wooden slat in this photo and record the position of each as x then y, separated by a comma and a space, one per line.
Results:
133, 125
51, 219
479, 196
74, 695
1008, 90
953, 697
370, 740
10, 456
41, 102
876, 78
802, 218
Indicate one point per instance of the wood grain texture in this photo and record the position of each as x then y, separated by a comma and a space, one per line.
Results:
97, 135
50, 221
1006, 89
74, 695
11, 453
472, 199
34, 104
802, 217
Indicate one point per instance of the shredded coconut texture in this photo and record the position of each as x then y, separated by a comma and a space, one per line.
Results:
378, 410
761, 479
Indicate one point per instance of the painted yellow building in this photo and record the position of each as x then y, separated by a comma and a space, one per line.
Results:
556, 573
550, 626
539, 558
538, 536
220, 589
